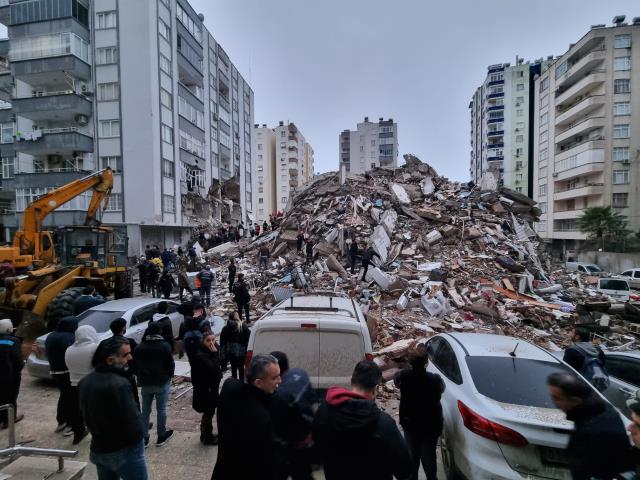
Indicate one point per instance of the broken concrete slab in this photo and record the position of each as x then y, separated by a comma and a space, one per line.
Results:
400, 193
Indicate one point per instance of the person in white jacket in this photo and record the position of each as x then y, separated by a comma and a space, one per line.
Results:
78, 358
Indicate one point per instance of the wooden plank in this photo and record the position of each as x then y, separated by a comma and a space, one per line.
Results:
508, 284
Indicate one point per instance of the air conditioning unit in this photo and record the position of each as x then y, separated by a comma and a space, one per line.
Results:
215, 117
86, 89
81, 119
554, 174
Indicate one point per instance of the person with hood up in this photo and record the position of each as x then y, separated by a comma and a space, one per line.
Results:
243, 413
166, 283
154, 368
367, 258
78, 358
206, 373
354, 438
584, 356
421, 412
56, 346
598, 445
234, 339
11, 365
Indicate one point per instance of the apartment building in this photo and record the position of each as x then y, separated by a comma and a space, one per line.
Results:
139, 86
587, 132
284, 162
501, 124
371, 145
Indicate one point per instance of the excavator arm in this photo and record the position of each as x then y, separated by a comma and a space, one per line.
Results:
100, 182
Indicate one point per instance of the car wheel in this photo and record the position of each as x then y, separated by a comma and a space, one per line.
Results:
448, 462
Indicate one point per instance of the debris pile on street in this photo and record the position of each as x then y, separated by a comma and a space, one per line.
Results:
450, 257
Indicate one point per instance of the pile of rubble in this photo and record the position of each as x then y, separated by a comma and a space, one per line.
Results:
452, 257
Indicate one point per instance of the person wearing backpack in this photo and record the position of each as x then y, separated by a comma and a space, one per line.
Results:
194, 328
291, 412
587, 359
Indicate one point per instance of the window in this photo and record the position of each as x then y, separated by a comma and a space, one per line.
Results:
622, 85
27, 48
492, 115
520, 100
191, 144
163, 29
623, 368
115, 203
542, 190
519, 112
544, 136
444, 359
496, 77
190, 112
542, 172
261, 200
620, 154
622, 63
106, 20
518, 177
519, 138
224, 116
167, 168
166, 99
284, 199
6, 132
106, 55
43, 10
108, 91
168, 204
622, 108
167, 134
620, 177
109, 128
165, 64
544, 119
620, 200
190, 24
543, 208
520, 87
544, 84
544, 101
519, 189
8, 167
622, 41
114, 162
519, 152
621, 131
225, 140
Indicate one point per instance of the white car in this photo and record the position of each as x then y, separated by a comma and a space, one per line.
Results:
615, 288
632, 276
499, 421
136, 311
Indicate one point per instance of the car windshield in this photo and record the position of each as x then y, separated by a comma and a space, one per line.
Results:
518, 381
98, 319
611, 284
593, 268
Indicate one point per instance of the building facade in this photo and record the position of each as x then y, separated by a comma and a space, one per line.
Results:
284, 162
141, 87
587, 132
502, 122
371, 145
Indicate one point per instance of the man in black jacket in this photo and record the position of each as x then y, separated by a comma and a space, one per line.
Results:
355, 439
232, 274
55, 346
367, 258
111, 414
11, 367
206, 277
163, 320
421, 412
353, 255
242, 297
581, 349
86, 300
243, 413
119, 327
598, 446
154, 367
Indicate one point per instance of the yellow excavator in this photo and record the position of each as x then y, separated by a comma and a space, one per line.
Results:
46, 270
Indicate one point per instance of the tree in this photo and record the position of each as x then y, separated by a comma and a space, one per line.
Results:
602, 222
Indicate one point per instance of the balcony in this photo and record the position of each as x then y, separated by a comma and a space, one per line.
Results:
581, 170
53, 141
58, 106
568, 235
568, 214
51, 70
583, 86
580, 191
582, 66
583, 127
495, 133
496, 158
495, 95
580, 109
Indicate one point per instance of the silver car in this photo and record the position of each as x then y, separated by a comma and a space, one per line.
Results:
136, 311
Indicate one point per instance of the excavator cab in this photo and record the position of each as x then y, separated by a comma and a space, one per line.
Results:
88, 246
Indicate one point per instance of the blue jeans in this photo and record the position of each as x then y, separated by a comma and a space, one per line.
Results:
125, 464
161, 393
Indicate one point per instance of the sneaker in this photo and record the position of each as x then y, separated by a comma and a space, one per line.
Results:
68, 431
60, 427
77, 438
164, 438
146, 442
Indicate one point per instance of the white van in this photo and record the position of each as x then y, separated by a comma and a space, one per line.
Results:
324, 334
616, 288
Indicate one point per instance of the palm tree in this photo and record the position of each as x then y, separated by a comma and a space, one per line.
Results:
600, 222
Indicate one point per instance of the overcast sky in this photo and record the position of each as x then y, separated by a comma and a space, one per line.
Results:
326, 64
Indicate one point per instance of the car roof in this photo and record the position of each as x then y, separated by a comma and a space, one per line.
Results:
313, 306
626, 353
489, 345
124, 304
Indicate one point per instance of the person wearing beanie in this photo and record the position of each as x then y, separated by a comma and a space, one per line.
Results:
11, 364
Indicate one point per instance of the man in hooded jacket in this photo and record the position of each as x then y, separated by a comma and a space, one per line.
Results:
354, 438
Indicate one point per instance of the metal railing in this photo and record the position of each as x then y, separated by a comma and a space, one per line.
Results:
18, 450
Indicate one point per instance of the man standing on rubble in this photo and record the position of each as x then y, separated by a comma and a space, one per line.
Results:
353, 255
367, 258
420, 412
256, 227
206, 279
232, 274
264, 255
309, 251
300, 240
354, 438
242, 297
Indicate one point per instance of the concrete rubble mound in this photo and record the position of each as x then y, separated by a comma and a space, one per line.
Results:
452, 257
